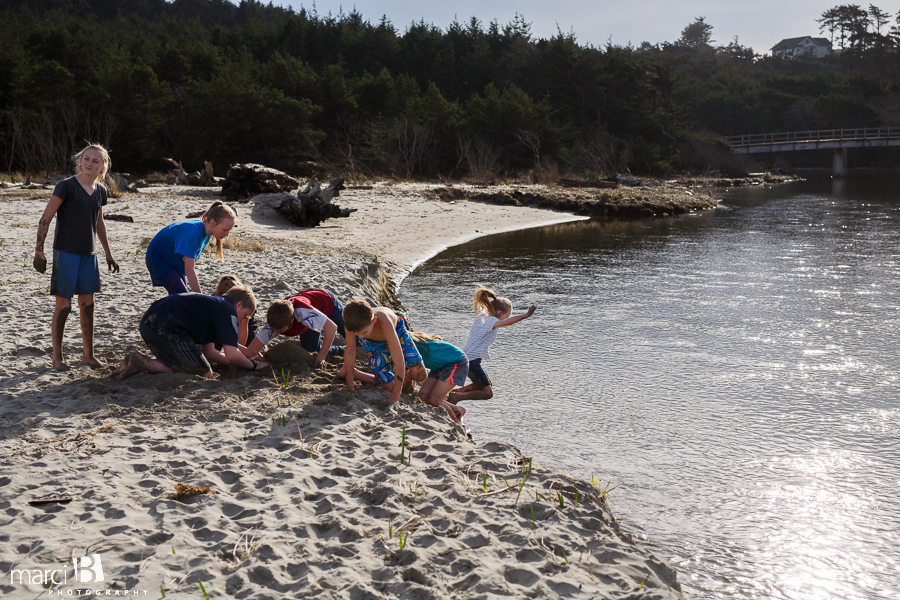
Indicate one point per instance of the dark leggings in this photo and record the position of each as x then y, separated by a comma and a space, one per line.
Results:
175, 283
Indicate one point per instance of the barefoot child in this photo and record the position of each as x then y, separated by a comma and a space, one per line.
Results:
447, 367
392, 354
77, 203
492, 312
312, 315
172, 254
182, 330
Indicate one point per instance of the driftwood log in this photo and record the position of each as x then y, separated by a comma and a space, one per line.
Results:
178, 176
313, 205
244, 181
578, 183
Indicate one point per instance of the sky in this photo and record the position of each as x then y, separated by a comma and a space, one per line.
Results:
759, 24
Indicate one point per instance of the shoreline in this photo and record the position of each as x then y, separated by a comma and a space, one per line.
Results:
309, 493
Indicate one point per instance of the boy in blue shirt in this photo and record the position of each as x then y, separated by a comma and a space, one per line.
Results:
182, 331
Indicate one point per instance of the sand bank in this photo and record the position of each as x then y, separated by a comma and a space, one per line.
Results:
309, 496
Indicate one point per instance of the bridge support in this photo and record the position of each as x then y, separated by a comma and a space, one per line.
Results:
839, 163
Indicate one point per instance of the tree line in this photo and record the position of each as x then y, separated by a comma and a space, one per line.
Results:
202, 80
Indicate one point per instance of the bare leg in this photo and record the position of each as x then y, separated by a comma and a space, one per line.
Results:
86, 304
57, 331
138, 363
485, 393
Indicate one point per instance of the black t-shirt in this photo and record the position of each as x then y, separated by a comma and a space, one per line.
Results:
206, 319
76, 219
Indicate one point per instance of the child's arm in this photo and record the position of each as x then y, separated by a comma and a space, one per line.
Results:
253, 350
399, 363
513, 320
328, 332
243, 332
213, 355
350, 359
235, 357
191, 274
104, 241
40, 261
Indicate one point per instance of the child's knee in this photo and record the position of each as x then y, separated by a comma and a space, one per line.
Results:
488, 392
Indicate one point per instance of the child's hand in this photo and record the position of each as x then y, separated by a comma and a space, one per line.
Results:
531, 310
112, 264
40, 262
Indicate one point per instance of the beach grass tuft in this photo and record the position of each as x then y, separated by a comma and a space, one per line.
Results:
403, 444
533, 526
562, 503
205, 595
645, 580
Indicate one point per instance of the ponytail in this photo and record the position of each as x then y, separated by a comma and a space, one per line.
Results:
487, 301
217, 211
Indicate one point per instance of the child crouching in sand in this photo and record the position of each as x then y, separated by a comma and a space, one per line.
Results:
447, 367
174, 326
392, 353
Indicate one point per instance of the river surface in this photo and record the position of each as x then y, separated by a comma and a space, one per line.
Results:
733, 372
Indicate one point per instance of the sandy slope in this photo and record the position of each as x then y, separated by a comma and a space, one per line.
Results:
310, 493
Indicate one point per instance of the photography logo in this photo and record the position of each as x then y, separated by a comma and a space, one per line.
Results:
88, 569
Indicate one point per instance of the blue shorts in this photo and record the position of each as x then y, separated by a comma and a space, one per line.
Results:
477, 374
455, 373
380, 355
74, 274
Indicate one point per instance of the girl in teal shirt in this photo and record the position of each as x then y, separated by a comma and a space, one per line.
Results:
447, 368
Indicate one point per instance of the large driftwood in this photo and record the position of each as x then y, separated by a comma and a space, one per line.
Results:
313, 205
244, 181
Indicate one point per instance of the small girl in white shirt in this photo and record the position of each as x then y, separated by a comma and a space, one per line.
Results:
491, 312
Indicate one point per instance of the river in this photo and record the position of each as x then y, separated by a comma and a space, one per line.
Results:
732, 372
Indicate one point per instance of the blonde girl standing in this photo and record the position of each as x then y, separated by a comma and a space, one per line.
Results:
77, 203
492, 312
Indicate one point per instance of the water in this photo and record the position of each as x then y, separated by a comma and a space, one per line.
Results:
733, 372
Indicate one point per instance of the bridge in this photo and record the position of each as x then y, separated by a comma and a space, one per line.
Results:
824, 139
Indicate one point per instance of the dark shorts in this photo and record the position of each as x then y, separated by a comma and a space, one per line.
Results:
477, 374
455, 373
74, 274
178, 352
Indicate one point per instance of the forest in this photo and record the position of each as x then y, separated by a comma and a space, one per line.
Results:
209, 80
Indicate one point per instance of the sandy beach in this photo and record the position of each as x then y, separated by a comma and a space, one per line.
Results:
313, 491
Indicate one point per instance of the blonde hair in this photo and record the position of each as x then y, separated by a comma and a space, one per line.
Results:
489, 302
357, 315
244, 295
280, 314
218, 211
104, 154
419, 336
226, 283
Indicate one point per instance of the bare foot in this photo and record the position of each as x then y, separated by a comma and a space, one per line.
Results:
452, 398
460, 412
134, 363
93, 363
115, 374
60, 366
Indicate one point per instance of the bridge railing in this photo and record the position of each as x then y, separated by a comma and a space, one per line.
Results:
822, 135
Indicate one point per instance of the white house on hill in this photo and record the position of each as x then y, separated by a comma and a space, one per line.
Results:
802, 46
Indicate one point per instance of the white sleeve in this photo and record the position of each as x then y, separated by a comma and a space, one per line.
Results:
266, 334
312, 318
